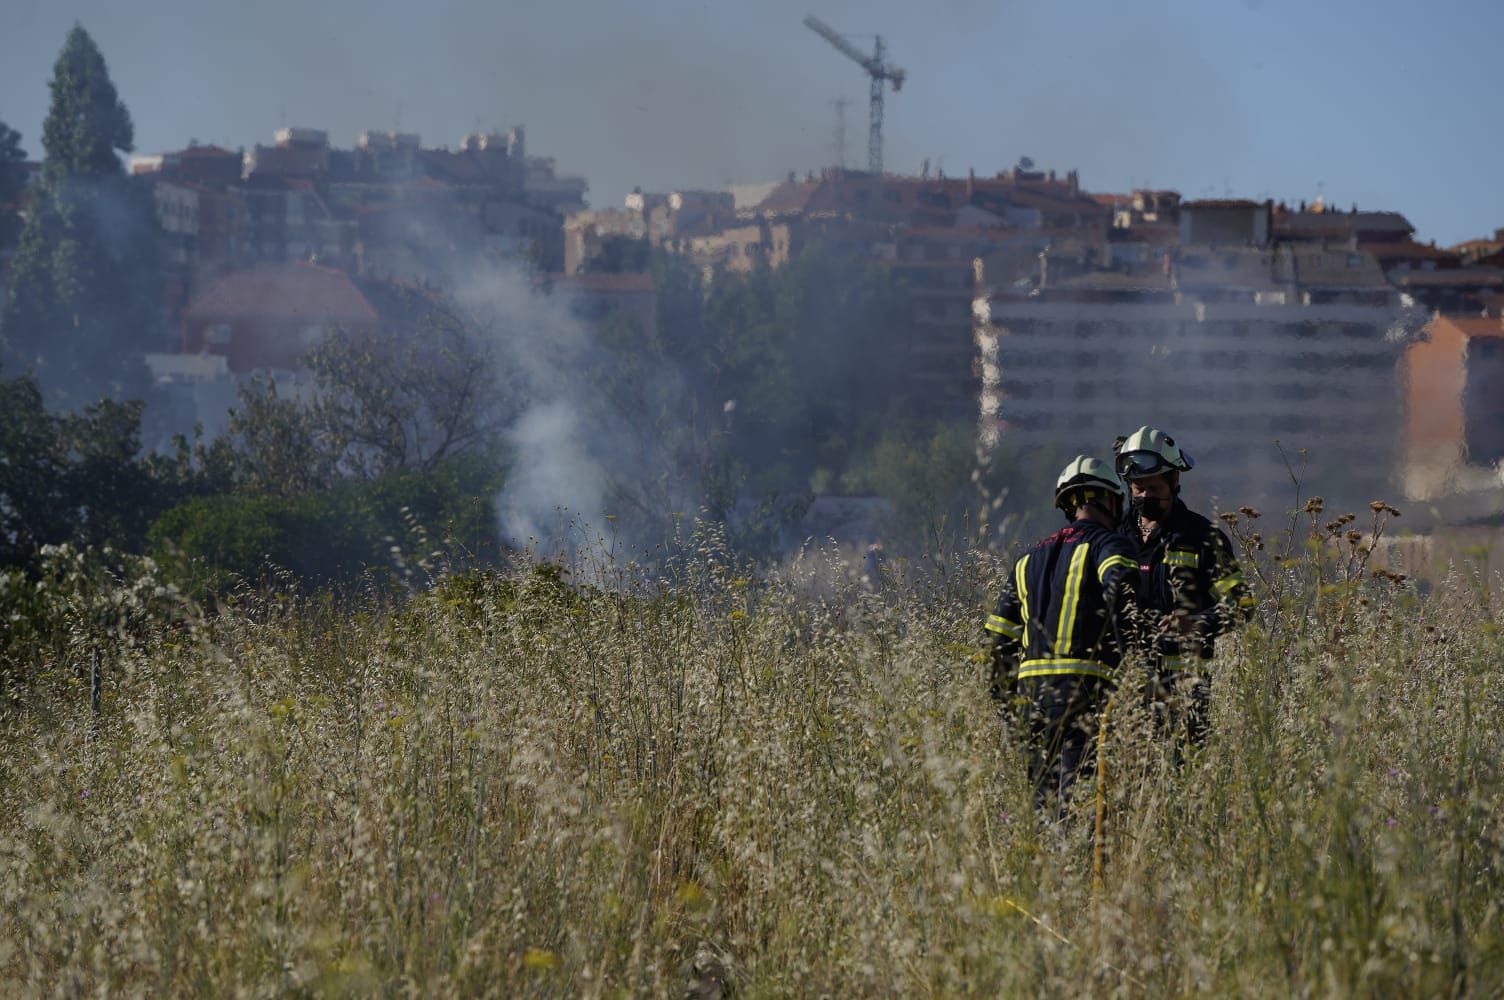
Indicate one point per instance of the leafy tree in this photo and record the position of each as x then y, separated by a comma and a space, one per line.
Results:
83, 301
12, 184
275, 449
802, 365
335, 535
32, 474
405, 398
77, 478
424, 388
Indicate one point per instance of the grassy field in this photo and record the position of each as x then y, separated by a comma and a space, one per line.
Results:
721, 783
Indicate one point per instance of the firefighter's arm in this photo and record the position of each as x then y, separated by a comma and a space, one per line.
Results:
1232, 603
1005, 630
1117, 571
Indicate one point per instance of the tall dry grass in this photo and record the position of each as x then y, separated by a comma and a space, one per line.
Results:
714, 782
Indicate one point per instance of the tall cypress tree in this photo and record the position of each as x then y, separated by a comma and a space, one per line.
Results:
12, 183
83, 302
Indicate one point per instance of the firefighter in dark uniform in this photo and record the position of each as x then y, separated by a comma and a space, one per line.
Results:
1190, 589
1060, 627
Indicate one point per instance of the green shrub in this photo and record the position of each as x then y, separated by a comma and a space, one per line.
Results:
330, 537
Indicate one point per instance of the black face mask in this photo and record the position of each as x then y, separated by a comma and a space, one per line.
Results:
1152, 508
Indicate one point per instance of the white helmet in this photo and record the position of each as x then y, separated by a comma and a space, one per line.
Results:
1084, 480
1150, 452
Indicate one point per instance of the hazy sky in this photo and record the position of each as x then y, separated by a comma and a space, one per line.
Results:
1384, 103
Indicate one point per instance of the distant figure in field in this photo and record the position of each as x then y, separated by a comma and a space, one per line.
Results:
873, 565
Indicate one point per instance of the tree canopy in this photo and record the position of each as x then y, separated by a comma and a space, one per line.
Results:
83, 302
12, 183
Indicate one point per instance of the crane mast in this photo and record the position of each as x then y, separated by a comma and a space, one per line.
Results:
878, 70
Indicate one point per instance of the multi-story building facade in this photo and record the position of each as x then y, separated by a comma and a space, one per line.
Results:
1268, 360
382, 205
1453, 378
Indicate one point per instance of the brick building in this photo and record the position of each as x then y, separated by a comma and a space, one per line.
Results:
1453, 378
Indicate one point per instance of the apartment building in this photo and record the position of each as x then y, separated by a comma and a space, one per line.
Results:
1453, 379
1266, 359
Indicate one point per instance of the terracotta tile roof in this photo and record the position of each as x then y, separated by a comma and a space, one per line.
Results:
1476, 326
790, 196
206, 151
1222, 203
1486, 245
283, 292
1055, 201
1405, 250
605, 283
1311, 224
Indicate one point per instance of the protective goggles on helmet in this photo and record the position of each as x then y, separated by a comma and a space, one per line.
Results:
1141, 464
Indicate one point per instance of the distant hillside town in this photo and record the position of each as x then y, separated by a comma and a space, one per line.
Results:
1035, 307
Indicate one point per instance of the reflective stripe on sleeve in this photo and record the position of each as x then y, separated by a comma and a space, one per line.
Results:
1228, 583
1181, 557
1020, 581
1113, 563
1002, 626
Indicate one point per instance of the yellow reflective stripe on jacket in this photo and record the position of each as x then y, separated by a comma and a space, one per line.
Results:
1113, 563
1073, 583
1051, 666
1228, 583
1181, 557
1020, 581
1002, 626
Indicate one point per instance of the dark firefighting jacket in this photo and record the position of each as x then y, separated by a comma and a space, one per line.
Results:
1064, 611
1187, 568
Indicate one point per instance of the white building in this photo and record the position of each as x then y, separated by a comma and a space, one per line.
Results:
1291, 358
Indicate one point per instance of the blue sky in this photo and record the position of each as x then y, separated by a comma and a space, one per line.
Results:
1379, 103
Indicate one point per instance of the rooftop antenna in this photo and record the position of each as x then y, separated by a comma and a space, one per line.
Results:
878, 69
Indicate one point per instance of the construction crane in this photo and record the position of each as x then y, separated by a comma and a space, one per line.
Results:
841, 104
878, 70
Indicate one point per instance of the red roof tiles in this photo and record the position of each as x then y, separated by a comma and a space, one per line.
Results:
283, 292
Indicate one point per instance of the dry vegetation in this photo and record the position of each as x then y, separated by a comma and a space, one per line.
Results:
507, 786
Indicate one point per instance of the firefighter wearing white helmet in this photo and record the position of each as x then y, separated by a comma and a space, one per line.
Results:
1059, 629
1190, 586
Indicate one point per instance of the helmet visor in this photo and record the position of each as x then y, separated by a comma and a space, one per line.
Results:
1139, 464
